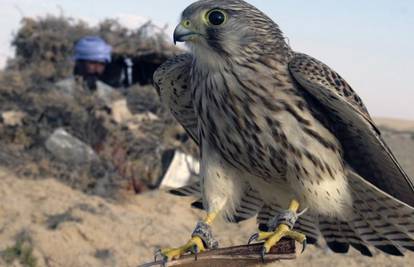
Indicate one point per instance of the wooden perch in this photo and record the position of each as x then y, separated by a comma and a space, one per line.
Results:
240, 256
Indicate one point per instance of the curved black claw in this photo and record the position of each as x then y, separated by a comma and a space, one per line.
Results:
263, 254
195, 250
304, 245
157, 254
253, 238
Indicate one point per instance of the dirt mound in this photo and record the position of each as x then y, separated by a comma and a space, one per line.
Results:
129, 149
396, 124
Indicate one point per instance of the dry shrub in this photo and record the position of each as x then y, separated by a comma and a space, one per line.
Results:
126, 155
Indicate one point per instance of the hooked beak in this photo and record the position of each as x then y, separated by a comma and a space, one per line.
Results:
182, 34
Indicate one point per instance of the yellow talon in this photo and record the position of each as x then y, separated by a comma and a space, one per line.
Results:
282, 230
195, 242
176, 253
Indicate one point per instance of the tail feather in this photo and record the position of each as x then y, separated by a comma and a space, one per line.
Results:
340, 236
355, 241
336, 239
193, 189
380, 219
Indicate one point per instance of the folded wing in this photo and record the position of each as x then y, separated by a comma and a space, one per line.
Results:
346, 116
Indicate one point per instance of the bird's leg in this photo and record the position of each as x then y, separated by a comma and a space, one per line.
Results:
201, 239
282, 225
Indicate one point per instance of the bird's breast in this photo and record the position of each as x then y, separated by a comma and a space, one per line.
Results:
236, 126
263, 126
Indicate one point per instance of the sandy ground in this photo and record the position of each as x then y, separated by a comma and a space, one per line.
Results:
396, 124
67, 228
402, 144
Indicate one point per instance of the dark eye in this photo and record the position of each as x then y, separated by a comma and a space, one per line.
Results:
216, 17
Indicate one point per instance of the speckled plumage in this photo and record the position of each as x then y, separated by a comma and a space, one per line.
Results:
282, 125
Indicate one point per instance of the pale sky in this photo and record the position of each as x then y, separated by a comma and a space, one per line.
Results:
370, 43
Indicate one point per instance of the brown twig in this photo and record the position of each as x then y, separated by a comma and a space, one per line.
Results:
239, 256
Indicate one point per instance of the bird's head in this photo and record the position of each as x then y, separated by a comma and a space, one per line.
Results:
225, 28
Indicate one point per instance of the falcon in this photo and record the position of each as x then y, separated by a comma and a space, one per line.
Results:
281, 136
